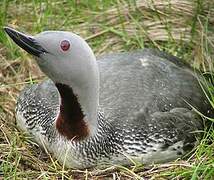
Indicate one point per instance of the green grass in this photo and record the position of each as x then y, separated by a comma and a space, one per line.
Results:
183, 28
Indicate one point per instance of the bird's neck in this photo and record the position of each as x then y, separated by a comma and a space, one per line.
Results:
79, 103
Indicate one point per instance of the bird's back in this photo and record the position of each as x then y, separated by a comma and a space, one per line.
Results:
148, 81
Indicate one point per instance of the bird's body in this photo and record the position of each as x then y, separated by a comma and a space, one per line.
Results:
143, 111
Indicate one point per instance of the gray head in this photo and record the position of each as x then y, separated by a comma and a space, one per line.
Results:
64, 56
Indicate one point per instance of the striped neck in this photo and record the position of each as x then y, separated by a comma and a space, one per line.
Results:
79, 102
70, 121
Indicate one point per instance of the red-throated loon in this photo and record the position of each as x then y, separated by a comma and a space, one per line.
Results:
124, 105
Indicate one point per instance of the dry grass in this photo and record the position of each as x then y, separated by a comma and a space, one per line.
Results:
181, 27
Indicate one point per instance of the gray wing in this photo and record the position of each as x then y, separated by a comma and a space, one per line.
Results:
147, 81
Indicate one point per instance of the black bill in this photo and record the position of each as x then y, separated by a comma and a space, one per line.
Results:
26, 42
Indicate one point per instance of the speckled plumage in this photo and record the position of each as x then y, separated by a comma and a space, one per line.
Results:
143, 112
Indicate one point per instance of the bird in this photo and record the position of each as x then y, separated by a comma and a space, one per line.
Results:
116, 109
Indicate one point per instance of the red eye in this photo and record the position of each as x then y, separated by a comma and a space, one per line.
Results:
65, 45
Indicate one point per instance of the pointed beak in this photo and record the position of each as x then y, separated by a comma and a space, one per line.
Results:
26, 42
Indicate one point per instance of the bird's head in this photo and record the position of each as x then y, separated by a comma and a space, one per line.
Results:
63, 56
